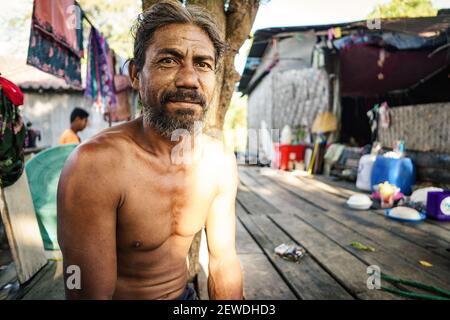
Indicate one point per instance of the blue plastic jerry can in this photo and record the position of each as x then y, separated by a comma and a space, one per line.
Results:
400, 172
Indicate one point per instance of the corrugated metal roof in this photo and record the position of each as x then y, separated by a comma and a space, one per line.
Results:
263, 37
422, 26
30, 78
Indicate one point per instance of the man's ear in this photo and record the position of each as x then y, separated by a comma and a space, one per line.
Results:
134, 74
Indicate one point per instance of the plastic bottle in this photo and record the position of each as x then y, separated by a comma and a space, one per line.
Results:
363, 180
286, 135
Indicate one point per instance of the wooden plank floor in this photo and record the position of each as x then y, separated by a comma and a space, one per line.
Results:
277, 207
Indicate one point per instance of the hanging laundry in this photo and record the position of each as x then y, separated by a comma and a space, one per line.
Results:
56, 46
352, 40
334, 33
12, 133
385, 118
337, 33
373, 116
330, 33
100, 73
122, 86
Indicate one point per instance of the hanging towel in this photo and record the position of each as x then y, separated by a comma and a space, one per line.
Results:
56, 39
122, 86
100, 72
12, 133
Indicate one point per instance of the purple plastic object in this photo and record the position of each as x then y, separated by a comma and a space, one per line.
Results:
438, 205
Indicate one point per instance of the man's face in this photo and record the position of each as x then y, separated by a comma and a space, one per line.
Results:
177, 81
81, 123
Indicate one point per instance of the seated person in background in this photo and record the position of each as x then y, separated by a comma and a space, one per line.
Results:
78, 122
32, 136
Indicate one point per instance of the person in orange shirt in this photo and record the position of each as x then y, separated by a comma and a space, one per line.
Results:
78, 121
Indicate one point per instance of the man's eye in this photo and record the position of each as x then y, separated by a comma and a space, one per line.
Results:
167, 61
204, 65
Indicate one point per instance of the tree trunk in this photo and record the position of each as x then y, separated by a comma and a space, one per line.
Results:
235, 24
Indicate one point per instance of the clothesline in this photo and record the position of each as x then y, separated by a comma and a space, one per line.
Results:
56, 48
90, 90
84, 15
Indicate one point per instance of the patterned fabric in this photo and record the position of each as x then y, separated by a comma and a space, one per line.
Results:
12, 139
55, 46
122, 87
100, 72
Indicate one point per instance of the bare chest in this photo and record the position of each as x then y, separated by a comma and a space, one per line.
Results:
159, 205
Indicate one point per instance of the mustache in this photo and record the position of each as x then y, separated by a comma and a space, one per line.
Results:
183, 95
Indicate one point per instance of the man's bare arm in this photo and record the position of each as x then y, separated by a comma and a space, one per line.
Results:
225, 275
87, 201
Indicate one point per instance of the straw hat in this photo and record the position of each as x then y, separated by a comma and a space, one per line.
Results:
324, 122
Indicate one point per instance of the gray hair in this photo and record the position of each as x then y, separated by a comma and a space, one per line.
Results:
170, 12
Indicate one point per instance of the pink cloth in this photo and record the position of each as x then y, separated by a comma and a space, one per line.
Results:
56, 18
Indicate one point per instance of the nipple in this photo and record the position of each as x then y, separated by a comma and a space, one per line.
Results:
137, 244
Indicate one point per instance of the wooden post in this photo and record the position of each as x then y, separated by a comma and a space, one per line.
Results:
19, 218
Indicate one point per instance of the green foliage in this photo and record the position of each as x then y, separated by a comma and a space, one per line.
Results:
237, 113
235, 124
404, 9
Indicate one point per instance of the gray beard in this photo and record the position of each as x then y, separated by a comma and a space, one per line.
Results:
166, 124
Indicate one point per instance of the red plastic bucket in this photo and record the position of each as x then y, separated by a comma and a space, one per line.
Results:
283, 152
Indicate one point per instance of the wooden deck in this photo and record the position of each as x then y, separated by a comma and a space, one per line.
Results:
276, 207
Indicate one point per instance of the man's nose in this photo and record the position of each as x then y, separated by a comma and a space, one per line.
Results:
187, 77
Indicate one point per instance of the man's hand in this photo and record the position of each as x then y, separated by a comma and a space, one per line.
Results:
225, 275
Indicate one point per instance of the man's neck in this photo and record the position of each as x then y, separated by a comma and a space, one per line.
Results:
165, 147
72, 127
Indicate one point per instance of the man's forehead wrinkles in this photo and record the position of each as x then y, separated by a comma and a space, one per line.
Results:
182, 42
190, 39
182, 50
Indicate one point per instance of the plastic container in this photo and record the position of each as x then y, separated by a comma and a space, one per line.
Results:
43, 172
286, 135
400, 172
359, 202
283, 154
438, 205
365, 167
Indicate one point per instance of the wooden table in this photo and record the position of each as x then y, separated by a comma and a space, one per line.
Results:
275, 207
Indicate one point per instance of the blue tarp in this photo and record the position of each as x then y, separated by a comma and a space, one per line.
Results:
400, 41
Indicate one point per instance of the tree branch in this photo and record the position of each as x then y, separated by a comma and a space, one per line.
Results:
148, 3
216, 7
239, 21
240, 17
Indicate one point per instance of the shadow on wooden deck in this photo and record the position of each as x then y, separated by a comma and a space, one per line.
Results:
275, 207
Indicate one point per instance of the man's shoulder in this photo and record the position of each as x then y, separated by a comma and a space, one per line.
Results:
217, 148
67, 134
222, 157
104, 149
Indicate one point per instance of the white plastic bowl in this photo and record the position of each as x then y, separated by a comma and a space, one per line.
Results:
359, 202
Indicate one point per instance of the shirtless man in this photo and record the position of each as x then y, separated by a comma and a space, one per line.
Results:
127, 213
